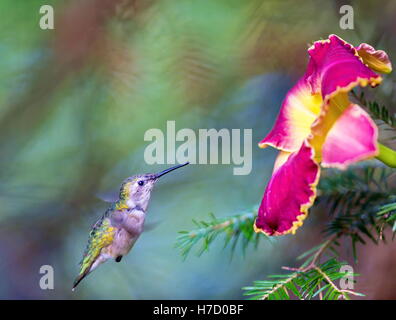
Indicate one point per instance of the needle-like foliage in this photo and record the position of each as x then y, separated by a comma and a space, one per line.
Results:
316, 281
237, 228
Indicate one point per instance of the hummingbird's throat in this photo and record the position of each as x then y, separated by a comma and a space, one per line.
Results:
140, 205
130, 205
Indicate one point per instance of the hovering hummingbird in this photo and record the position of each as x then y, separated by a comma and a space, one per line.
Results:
115, 233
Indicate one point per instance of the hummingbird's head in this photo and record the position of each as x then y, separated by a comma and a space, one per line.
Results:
136, 190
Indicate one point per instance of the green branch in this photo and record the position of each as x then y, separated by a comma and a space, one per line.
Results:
235, 228
305, 283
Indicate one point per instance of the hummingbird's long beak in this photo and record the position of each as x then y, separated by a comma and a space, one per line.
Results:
160, 174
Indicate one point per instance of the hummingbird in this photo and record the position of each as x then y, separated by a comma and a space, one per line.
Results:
115, 233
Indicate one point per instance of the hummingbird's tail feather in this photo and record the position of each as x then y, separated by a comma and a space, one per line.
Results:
88, 267
79, 278
85, 270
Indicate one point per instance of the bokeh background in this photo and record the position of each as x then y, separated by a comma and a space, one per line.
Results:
76, 101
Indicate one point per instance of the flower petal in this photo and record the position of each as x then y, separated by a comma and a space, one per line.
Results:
281, 159
377, 60
328, 116
299, 110
335, 66
289, 194
352, 138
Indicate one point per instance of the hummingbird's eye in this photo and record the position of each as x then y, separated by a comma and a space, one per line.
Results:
141, 182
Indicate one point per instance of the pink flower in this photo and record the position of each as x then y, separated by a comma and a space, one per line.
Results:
318, 125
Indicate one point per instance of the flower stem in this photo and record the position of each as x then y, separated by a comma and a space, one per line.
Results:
387, 155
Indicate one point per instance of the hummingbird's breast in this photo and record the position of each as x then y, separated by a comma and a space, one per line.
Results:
122, 244
129, 227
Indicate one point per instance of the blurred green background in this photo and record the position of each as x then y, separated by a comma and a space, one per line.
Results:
76, 101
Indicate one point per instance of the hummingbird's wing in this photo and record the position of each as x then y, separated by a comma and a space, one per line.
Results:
110, 196
100, 237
